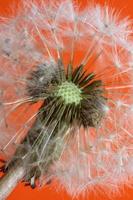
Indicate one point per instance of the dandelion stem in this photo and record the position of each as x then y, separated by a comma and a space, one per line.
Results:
9, 181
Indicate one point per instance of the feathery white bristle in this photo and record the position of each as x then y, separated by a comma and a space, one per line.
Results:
105, 22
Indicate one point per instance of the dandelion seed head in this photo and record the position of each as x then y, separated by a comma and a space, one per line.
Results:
66, 95
69, 92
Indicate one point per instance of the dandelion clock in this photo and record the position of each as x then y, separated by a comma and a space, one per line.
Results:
66, 97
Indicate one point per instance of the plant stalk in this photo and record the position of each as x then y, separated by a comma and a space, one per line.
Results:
9, 181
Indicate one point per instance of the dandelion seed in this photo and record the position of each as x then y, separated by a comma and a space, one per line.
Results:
66, 97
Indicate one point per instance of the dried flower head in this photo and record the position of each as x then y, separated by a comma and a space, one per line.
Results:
66, 95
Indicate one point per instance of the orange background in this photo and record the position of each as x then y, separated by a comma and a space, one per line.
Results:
48, 192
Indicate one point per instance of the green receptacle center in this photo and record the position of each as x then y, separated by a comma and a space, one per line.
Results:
69, 92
